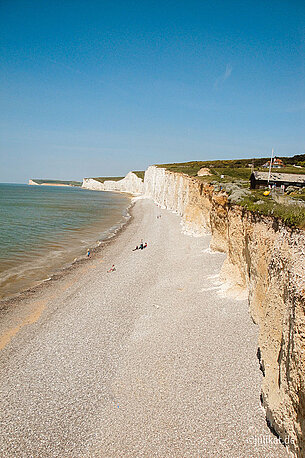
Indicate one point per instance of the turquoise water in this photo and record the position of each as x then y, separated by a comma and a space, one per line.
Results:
43, 228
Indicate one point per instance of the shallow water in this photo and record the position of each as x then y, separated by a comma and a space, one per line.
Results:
44, 228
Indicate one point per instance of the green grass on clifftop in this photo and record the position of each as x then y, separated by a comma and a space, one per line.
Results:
291, 214
102, 179
236, 168
191, 168
140, 174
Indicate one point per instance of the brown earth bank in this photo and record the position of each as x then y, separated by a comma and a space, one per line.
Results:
266, 259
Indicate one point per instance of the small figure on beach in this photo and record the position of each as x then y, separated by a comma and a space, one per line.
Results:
113, 269
141, 246
88, 253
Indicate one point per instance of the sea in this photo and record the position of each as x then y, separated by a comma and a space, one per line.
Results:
44, 229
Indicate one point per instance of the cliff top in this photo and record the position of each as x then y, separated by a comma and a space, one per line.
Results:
102, 179
233, 176
237, 168
139, 174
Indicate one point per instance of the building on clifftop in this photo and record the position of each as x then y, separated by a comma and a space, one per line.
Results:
260, 180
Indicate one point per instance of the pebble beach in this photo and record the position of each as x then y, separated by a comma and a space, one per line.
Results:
150, 360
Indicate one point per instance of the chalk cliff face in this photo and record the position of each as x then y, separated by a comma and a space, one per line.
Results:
181, 194
266, 259
33, 183
94, 185
131, 184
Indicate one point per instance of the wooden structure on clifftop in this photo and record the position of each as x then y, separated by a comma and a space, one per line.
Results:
260, 180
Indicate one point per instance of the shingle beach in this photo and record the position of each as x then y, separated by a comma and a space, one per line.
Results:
151, 360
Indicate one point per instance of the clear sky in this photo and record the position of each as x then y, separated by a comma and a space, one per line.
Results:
103, 87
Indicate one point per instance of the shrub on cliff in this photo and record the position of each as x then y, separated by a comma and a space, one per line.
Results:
291, 214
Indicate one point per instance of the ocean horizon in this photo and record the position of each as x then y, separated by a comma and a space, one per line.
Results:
45, 228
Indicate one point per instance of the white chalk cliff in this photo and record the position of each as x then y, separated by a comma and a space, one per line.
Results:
131, 184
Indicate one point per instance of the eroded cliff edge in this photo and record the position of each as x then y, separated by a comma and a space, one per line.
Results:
266, 259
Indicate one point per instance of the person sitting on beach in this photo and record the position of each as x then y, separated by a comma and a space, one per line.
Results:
145, 246
88, 253
112, 269
141, 246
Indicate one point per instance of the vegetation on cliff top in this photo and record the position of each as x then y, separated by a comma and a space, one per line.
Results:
233, 177
102, 179
140, 174
291, 213
236, 168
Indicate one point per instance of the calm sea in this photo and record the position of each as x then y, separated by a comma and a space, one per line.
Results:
44, 228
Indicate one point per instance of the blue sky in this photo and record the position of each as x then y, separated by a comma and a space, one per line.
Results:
101, 87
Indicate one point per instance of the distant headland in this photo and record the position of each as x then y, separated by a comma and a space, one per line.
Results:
40, 182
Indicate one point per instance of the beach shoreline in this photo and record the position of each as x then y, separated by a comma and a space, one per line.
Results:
150, 359
21, 277
65, 269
